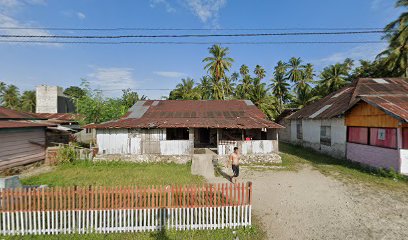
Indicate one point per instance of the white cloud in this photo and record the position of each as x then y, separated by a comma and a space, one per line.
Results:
81, 15
366, 52
13, 26
206, 10
169, 8
112, 78
171, 74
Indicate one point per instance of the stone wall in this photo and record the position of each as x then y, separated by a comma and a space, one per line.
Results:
145, 158
250, 159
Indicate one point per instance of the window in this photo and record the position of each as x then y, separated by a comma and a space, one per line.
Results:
325, 135
405, 138
383, 137
357, 135
177, 134
299, 131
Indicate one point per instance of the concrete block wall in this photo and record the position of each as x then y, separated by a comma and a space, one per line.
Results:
378, 157
47, 98
311, 136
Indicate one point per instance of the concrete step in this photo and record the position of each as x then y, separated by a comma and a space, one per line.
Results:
202, 164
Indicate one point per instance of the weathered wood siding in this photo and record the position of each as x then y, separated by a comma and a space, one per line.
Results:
141, 141
365, 115
247, 147
21, 146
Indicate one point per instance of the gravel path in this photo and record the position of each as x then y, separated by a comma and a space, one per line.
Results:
309, 205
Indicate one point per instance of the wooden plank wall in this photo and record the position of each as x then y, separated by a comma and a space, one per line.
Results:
21, 146
365, 115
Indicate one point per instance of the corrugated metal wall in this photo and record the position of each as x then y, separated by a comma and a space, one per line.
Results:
21, 146
140, 141
247, 147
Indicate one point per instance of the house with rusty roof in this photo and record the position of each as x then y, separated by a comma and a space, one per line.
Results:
22, 141
368, 115
179, 127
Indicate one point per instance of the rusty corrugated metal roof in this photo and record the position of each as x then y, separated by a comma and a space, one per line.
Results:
194, 114
337, 103
20, 124
6, 113
57, 116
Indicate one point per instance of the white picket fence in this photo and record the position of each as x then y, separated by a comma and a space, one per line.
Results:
101, 210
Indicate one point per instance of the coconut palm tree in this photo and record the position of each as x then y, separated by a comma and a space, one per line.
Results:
28, 101
234, 77
228, 86
244, 70
11, 97
259, 72
244, 88
333, 78
205, 88
218, 63
307, 78
395, 57
295, 72
279, 86
217, 89
259, 92
2, 89
185, 91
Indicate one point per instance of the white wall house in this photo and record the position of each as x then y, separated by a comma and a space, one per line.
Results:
177, 128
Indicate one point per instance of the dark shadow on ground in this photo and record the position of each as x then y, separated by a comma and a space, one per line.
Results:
225, 175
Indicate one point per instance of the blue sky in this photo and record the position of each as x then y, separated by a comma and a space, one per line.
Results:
111, 67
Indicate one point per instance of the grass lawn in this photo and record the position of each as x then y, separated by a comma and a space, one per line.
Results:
293, 157
85, 173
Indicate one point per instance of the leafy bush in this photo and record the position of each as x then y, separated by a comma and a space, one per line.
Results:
67, 153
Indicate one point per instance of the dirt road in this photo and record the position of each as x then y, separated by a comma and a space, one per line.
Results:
309, 205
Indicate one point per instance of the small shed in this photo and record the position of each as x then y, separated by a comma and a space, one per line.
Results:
23, 141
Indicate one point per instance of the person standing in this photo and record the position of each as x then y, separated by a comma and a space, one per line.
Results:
234, 160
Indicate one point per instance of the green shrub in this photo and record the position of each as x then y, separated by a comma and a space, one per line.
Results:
66, 154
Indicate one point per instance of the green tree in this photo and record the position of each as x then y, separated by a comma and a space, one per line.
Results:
228, 86
259, 92
280, 88
244, 70
295, 72
205, 88
395, 57
333, 78
244, 88
74, 92
259, 72
2, 89
129, 97
185, 91
11, 97
218, 63
28, 101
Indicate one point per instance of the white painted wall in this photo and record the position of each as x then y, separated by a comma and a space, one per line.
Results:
248, 147
404, 161
176, 147
311, 136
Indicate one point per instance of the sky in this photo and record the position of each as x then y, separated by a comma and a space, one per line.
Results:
151, 66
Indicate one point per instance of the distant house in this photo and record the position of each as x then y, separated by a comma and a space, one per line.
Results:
369, 103
178, 127
283, 120
22, 141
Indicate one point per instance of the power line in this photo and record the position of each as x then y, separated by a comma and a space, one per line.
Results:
186, 29
193, 35
187, 43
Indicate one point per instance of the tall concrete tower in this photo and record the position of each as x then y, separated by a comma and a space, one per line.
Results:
51, 99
